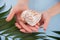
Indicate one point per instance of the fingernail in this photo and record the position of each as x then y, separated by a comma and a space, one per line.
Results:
20, 30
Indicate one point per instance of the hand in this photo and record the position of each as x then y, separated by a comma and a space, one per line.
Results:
54, 10
45, 20
25, 27
16, 11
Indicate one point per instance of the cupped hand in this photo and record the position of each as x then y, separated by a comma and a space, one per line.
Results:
45, 19
23, 27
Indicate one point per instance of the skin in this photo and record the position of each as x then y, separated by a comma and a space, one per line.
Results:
46, 16
16, 11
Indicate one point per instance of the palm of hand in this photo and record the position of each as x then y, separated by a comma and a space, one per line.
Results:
45, 20
16, 11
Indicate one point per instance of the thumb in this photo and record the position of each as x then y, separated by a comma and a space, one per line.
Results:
46, 22
11, 15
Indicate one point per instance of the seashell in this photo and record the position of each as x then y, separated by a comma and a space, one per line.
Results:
31, 17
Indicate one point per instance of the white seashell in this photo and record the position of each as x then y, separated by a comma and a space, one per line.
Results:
31, 17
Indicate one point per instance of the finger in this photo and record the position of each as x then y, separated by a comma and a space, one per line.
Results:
46, 22
11, 15
22, 30
25, 27
42, 21
17, 25
37, 26
22, 19
18, 20
33, 28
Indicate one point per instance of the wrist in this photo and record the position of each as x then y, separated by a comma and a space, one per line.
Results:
54, 10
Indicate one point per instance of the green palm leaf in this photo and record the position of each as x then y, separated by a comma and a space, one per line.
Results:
2, 7
58, 32
8, 29
57, 38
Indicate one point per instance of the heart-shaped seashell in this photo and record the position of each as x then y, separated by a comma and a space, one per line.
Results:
31, 17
